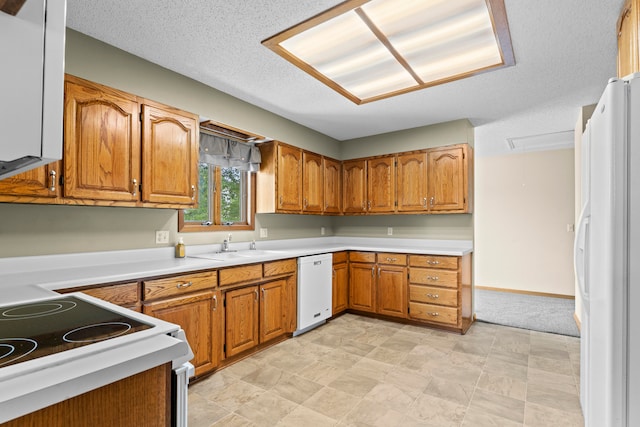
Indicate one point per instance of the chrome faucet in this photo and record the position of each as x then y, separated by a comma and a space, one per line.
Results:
252, 245
225, 244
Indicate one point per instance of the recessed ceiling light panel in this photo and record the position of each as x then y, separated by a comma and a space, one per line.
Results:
370, 50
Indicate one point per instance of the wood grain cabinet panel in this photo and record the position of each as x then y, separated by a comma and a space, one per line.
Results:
39, 182
199, 315
312, 182
362, 289
242, 274
272, 310
340, 283
392, 291
289, 178
101, 142
381, 184
332, 186
434, 313
412, 182
178, 285
279, 268
354, 186
447, 179
169, 155
242, 310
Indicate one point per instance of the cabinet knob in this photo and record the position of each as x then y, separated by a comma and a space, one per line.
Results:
434, 314
431, 200
52, 180
434, 296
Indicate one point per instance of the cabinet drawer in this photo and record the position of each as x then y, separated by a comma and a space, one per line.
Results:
392, 259
429, 276
124, 294
433, 313
278, 268
434, 261
244, 273
339, 257
178, 285
362, 257
433, 295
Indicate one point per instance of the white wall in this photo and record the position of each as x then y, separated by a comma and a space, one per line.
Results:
523, 204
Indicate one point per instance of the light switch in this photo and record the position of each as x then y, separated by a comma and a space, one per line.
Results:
264, 232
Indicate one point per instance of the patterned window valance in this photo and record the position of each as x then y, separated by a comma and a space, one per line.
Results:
224, 152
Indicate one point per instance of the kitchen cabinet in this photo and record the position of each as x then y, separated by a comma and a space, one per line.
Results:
126, 295
241, 315
272, 310
192, 302
312, 182
362, 281
108, 157
412, 182
354, 186
340, 283
440, 291
289, 178
448, 179
381, 184
35, 183
332, 186
628, 38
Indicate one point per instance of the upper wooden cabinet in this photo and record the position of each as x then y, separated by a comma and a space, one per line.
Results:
289, 178
354, 186
312, 182
332, 186
412, 182
169, 155
381, 184
448, 179
102, 155
628, 44
38, 182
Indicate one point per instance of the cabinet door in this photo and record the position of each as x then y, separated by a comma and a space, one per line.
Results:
446, 180
272, 310
628, 55
340, 289
169, 155
241, 320
392, 290
101, 142
354, 181
381, 184
362, 287
289, 179
312, 182
332, 186
412, 182
38, 182
195, 313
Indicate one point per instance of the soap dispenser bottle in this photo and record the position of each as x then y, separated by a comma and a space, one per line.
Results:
180, 249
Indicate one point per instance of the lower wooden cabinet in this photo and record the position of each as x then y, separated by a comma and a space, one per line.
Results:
392, 291
362, 289
200, 316
340, 283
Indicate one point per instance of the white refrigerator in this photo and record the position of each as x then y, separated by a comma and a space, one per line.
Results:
607, 259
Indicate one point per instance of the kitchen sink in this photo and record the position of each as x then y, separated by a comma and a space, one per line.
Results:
244, 254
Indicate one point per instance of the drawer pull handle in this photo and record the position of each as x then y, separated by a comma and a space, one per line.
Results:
430, 262
193, 192
52, 176
392, 259
257, 296
281, 200
373, 271
435, 296
184, 285
424, 202
134, 187
434, 314
215, 300
432, 277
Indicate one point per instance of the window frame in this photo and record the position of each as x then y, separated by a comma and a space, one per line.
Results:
249, 224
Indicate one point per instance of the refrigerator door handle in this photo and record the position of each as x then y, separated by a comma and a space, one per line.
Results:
580, 252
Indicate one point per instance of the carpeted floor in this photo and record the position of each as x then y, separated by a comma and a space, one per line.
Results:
536, 313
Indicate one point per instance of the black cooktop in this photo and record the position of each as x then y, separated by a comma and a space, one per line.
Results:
42, 328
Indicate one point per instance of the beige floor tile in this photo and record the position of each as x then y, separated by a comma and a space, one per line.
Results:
305, 417
510, 356
243, 367
391, 396
296, 388
502, 367
478, 418
234, 395
202, 412
503, 385
472, 348
264, 377
437, 412
234, 420
292, 362
368, 413
341, 359
327, 340
564, 383
408, 381
401, 342
373, 369
495, 404
332, 403
321, 373
451, 391
266, 410
562, 367
357, 348
552, 398
354, 384
549, 352
543, 416
386, 355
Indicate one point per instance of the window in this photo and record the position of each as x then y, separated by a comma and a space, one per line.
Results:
225, 201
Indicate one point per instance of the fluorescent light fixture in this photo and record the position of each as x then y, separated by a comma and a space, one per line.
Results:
374, 49
543, 142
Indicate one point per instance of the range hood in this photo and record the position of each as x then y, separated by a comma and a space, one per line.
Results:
31, 84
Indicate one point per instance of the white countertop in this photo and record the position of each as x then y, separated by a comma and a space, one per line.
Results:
28, 278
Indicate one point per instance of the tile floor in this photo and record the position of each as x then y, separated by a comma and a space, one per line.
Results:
357, 371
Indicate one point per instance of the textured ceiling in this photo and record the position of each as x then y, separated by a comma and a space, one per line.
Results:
565, 52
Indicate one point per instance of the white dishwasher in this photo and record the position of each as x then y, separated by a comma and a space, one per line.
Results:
314, 291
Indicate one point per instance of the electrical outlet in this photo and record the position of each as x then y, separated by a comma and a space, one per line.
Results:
389, 231
264, 232
322, 231
570, 228
162, 237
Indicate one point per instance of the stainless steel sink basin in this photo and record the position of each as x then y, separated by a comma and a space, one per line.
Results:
244, 254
